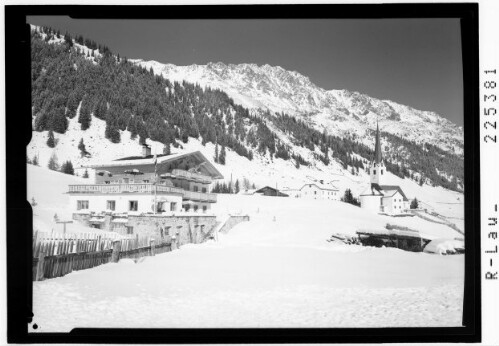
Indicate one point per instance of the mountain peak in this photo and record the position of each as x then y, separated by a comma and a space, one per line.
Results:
340, 111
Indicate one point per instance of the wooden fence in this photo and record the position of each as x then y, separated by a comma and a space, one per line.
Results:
56, 255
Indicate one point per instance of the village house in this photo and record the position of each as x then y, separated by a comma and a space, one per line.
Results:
269, 191
389, 199
161, 195
315, 190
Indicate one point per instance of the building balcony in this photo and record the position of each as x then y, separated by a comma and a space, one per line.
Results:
181, 174
199, 196
142, 189
124, 188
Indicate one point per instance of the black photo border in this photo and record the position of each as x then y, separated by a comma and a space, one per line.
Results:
19, 217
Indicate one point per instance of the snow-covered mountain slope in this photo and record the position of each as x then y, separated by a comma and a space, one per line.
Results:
340, 112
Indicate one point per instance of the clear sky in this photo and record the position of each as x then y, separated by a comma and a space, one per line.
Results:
416, 62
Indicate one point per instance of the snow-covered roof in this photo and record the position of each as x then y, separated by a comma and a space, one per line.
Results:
321, 186
120, 220
150, 160
385, 190
247, 192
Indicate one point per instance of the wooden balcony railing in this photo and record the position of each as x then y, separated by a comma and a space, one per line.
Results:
200, 196
142, 188
179, 173
123, 188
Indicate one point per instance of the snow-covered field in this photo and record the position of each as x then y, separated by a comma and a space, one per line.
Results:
277, 270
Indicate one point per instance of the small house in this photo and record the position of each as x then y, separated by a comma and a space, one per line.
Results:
270, 191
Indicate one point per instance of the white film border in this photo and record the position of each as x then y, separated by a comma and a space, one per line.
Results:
489, 167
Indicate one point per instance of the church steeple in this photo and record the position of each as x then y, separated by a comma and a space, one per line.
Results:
377, 167
377, 147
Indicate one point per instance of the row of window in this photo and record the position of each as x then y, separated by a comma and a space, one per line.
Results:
331, 193
195, 207
110, 205
134, 206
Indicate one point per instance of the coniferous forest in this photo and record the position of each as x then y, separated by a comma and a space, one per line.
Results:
66, 77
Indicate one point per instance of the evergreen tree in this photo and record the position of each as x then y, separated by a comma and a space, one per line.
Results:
348, 198
51, 139
53, 164
167, 149
414, 203
112, 133
84, 118
236, 186
57, 120
82, 148
67, 168
221, 159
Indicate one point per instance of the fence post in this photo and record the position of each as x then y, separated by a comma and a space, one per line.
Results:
40, 267
115, 257
152, 246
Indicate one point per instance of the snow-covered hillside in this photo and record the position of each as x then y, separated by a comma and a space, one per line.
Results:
340, 112
260, 170
277, 270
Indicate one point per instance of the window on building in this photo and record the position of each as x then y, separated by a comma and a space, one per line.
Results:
368, 171
196, 207
146, 181
129, 230
374, 171
133, 205
187, 207
107, 182
81, 205
111, 205
315, 192
173, 206
381, 172
195, 188
204, 208
203, 189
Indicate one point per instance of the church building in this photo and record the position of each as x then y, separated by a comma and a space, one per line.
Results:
389, 199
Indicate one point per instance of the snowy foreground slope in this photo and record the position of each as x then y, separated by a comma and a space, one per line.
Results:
277, 270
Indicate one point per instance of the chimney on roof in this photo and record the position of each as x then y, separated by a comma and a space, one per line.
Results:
146, 150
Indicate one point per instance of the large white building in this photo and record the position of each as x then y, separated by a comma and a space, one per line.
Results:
389, 199
314, 190
165, 184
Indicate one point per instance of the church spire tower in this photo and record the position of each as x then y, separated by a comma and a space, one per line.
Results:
377, 167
